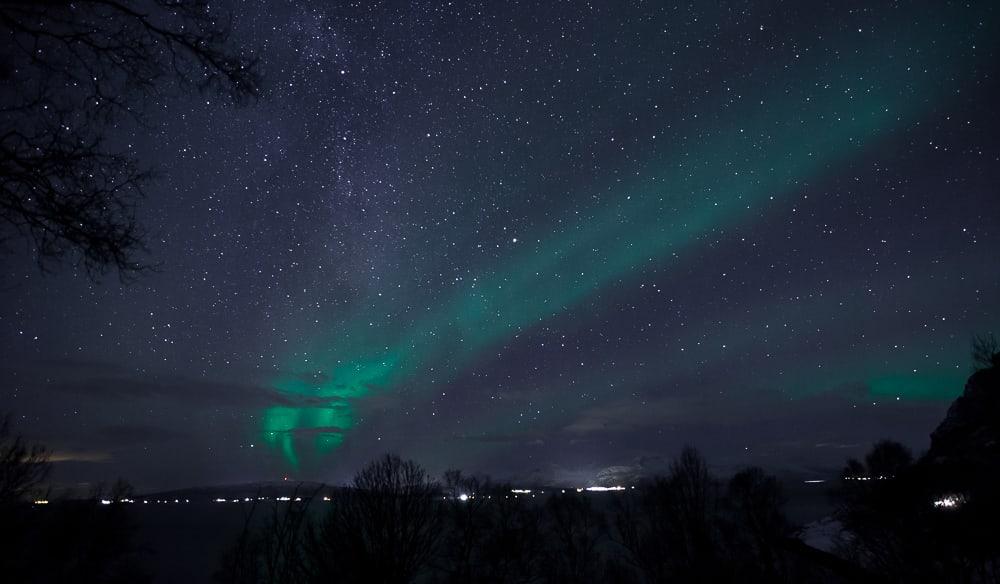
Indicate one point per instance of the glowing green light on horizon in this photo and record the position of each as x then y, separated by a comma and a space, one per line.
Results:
912, 385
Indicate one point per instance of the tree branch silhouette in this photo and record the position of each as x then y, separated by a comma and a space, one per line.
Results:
70, 71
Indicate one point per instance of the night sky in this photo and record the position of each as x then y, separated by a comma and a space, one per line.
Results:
537, 240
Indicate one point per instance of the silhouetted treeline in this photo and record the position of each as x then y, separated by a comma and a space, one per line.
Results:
395, 525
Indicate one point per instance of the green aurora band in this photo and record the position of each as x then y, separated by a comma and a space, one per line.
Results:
770, 144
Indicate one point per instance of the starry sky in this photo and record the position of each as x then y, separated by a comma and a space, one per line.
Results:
537, 240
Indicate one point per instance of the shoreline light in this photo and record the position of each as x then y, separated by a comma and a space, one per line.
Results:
949, 502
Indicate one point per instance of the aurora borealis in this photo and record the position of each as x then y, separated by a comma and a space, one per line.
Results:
543, 240
648, 221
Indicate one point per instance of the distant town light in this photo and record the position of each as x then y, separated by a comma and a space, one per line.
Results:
604, 489
41, 502
520, 491
463, 497
949, 502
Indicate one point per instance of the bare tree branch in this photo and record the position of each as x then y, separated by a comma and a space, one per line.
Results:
23, 466
69, 72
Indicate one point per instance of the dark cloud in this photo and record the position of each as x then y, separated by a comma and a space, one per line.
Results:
103, 381
181, 388
527, 438
134, 434
312, 431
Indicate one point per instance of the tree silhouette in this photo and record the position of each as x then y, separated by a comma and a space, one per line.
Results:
468, 522
672, 531
684, 528
756, 530
273, 553
985, 351
575, 531
689, 496
70, 71
23, 466
490, 537
511, 552
887, 459
384, 529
